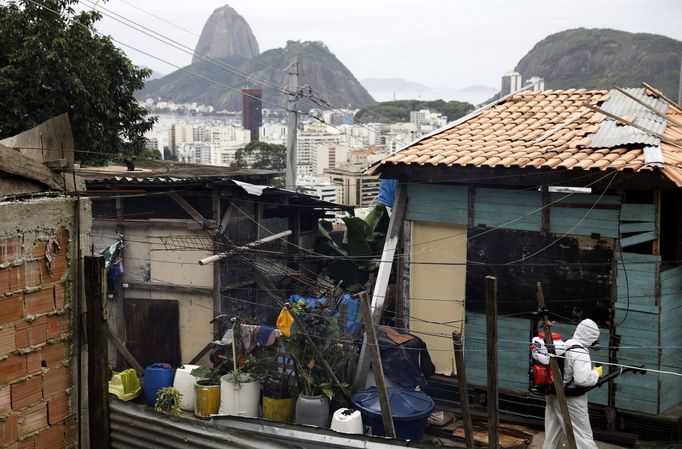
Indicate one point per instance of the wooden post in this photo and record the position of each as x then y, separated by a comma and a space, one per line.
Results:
373, 343
458, 346
217, 301
556, 373
491, 331
98, 360
381, 286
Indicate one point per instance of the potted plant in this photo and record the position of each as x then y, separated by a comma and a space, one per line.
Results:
207, 388
315, 345
279, 388
168, 401
240, 390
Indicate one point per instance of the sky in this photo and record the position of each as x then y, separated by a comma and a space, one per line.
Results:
438, 43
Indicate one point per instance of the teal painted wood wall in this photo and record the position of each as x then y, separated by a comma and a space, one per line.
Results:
513, 353
644, 324
513, 209
671, 337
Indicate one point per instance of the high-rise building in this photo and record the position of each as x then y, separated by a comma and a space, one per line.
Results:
511, 82
252, 111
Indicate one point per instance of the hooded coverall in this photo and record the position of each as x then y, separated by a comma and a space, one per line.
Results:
577, 370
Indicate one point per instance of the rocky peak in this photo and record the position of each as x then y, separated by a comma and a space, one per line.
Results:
226, 33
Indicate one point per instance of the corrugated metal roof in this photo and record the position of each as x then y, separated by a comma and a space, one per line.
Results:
134, 426
612, 134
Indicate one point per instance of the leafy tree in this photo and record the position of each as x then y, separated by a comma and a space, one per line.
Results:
52, 63
399, 110
258, 154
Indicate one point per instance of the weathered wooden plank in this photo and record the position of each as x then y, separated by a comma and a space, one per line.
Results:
522, 198
671, 273
638, 238
584, 199
637, 212
626, 402
17, 164
637, 226
631, 319
578, 213
437, 203
639, 258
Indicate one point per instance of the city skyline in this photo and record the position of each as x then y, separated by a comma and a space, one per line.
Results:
471, 43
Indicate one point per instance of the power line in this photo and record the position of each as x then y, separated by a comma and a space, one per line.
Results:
179, 46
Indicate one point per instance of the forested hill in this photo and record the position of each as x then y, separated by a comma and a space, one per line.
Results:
603, 58
399, 111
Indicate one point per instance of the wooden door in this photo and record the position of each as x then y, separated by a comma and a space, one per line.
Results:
152, 330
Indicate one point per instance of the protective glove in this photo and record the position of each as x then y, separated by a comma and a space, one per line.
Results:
599, 370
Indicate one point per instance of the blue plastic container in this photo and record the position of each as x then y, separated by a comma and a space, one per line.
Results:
157, 376
410, 410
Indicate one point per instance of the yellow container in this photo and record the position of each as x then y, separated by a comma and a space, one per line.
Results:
125, 385
207, 400
280, 410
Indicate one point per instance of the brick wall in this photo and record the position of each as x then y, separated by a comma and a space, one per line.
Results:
36, 385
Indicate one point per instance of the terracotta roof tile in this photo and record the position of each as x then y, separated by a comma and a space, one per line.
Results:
550, 128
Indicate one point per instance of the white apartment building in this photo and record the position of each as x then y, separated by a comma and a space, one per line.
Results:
426, 121
307, 144
317, 186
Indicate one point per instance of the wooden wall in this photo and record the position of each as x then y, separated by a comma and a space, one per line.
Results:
646, 310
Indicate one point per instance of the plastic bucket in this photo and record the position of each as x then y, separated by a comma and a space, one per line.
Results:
280, 410
207, 400
410, 411
156, 376
242, 399
184, 382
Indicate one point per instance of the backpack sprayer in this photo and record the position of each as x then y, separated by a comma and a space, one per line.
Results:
541, 380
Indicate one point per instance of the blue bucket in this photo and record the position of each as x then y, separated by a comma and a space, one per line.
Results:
409, 408
157, 376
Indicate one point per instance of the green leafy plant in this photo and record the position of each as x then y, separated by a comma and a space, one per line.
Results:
208, 376
358, 254
168, 401
325, 343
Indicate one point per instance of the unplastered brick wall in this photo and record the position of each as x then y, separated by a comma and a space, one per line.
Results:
36, 386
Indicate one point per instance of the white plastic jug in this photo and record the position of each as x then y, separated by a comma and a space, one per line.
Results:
346, 420
239, 400
184, 383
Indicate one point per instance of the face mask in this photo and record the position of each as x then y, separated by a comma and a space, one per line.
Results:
595, 346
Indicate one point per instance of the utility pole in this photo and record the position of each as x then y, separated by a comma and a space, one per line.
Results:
292, 125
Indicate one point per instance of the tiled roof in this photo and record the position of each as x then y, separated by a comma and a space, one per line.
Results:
554, 129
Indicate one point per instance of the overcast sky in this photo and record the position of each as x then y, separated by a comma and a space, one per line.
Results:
438, 43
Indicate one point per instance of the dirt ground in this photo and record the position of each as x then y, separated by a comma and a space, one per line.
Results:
540, 438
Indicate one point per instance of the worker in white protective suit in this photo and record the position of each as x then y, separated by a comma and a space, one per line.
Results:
577, 371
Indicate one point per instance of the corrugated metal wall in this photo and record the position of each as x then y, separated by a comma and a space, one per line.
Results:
135, 426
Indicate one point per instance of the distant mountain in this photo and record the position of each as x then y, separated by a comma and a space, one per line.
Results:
319, 68
225, 34
603, 58
387, 89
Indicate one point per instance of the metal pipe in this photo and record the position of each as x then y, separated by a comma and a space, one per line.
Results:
221, 256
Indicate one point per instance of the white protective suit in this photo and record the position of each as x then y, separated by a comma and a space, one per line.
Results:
578, 371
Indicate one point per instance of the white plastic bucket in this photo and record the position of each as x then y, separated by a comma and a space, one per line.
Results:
346, 420
239, 400
184, 383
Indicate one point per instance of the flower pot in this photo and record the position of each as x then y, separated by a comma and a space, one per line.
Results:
312, 410
280, 410
207, 399
242, 399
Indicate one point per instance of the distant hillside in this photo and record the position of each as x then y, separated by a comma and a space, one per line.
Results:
399, 111
389, 89
319, 68
603, 58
